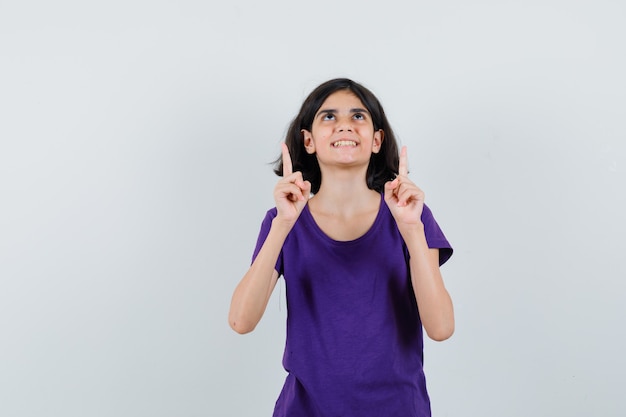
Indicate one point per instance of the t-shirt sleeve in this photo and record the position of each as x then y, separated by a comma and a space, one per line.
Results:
265, 229
435, 237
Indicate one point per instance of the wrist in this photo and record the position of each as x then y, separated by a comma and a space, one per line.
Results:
413, 235
411, 228
282, 225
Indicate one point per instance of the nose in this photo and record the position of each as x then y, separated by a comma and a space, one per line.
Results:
344, 125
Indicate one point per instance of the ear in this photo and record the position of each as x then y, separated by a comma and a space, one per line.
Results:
379, 136
309, 145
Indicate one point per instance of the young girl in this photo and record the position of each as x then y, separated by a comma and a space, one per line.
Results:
360, 255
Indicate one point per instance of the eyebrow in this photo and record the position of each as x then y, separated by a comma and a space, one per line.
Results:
353, 110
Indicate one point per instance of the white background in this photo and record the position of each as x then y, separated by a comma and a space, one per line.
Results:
135, 142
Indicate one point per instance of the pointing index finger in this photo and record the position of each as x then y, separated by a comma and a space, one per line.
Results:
287, 165
403, 169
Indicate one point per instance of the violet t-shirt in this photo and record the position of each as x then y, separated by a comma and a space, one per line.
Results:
354, 337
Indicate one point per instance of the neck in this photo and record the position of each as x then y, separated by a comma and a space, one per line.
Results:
343, 190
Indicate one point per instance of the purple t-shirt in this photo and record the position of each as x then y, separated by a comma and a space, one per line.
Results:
354, 337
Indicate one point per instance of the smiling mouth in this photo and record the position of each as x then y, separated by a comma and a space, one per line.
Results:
341, 143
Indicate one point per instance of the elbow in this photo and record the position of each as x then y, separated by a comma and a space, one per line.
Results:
241, 326
240, 321
237, 327
440, 333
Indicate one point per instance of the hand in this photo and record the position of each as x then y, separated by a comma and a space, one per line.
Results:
291, 192
404, 199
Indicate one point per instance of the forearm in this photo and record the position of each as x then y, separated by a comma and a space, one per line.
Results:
433, 301
252, 294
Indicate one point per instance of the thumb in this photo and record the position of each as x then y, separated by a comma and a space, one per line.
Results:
307, 189
389, 187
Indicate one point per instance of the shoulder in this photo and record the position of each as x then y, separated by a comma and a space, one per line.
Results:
271, 213
435, 236
266, 223
427, 214
428, 218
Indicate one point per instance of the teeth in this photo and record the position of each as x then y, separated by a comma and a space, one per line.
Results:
344, 143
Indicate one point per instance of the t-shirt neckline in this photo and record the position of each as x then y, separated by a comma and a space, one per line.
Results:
364, 236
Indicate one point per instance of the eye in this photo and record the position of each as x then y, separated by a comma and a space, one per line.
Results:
328, 116
358, 116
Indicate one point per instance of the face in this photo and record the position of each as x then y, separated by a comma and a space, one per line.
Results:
342, 131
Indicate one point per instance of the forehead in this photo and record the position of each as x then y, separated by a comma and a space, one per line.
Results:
342, 99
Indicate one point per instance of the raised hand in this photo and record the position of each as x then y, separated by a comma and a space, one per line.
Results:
291, 192
404, 199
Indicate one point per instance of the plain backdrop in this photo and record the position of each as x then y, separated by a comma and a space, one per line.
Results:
135, 142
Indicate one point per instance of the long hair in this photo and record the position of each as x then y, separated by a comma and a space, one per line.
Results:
383, 166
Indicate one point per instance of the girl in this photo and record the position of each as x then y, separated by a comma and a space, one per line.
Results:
360, 255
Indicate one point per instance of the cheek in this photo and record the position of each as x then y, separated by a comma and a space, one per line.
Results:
366, 132
321, 134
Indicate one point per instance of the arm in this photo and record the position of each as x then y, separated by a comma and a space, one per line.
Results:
255, 288
406, 202
433, 301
